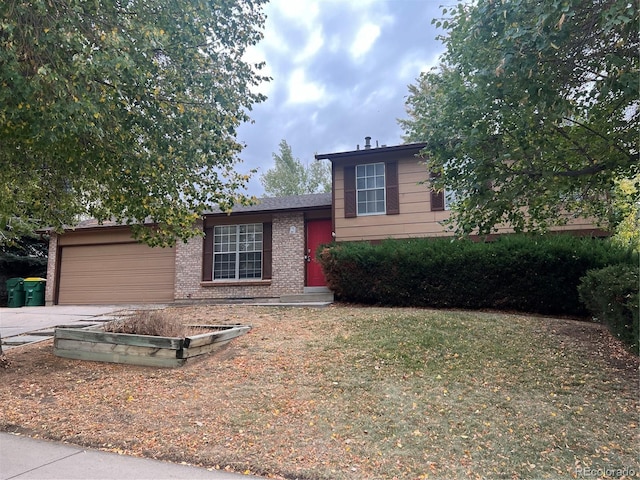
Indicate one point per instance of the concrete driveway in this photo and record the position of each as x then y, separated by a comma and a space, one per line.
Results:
19, 326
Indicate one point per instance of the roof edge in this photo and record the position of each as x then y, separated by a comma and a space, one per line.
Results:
292, 203
417, 146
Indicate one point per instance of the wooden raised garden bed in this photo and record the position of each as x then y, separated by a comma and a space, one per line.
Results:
93, 343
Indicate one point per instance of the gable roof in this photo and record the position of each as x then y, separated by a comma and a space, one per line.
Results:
274, 204
373, 152
266, 204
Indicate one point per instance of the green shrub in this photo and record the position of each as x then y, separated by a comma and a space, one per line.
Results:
611, 295
525, 273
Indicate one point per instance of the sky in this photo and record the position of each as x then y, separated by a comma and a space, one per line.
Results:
340, 72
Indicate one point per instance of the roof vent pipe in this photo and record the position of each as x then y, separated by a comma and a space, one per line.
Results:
367, 143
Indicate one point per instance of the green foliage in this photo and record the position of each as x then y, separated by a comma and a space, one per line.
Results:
537, 274
291, 177
626, 197
533, 113
612, 295
123, 110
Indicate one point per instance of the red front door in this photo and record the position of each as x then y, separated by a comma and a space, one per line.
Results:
318, 232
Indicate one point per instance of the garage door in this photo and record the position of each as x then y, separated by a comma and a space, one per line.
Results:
116, 273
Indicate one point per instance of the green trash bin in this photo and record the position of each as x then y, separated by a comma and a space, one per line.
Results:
34, 291
15, 290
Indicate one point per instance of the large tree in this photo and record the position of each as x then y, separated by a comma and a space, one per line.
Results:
532, 111
290, 177
123, 110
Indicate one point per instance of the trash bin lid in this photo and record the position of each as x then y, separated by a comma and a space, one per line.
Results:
35, 279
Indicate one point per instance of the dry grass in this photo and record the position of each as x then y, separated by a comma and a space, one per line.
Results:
157, 323
352, 393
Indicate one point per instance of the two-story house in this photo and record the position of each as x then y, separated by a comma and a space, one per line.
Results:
264, 252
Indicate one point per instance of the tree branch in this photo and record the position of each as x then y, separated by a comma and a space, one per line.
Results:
598, 134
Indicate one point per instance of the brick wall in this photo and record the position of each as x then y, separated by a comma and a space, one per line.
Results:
188, 267
51, 269
288, 253
287, 267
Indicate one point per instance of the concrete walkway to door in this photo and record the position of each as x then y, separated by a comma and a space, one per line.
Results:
24, 323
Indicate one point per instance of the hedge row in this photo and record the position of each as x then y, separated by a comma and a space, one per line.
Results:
530, 274
612, 295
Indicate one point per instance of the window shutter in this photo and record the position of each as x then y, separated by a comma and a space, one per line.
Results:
207, 255
393, 195
350, 192
267, 249
437, 198
437, 201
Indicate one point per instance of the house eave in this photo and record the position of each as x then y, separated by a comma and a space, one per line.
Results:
267, 205
372, 153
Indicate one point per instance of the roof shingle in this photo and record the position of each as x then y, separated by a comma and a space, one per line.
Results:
292, 202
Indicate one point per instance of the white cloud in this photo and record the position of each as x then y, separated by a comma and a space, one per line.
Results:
302, 12
412, 66
365, 38
303, 91
256, 55
315, 41
380, 96
340, 72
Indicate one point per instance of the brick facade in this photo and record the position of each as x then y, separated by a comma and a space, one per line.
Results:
288, 253
51, 269
286, 217
287, 263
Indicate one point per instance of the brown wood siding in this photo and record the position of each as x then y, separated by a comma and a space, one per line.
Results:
116, 274
416, 218
98, 236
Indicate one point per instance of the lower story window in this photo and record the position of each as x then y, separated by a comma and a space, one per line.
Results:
237, 252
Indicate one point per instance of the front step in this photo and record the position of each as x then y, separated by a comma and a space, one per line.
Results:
318, 297
316, 290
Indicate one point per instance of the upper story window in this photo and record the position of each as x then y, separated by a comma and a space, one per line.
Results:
370, 188
442, 199
237, 252
449, 198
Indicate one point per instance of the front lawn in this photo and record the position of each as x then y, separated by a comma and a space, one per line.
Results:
353, 393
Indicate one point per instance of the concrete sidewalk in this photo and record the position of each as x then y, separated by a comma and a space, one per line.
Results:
20, 323
24, 457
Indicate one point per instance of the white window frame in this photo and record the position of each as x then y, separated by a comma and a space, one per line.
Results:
234, 242
368, 188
